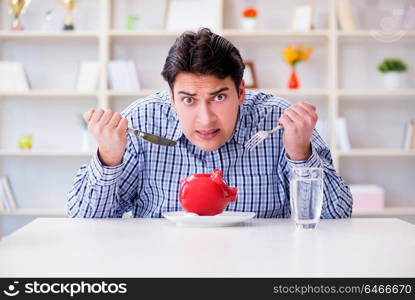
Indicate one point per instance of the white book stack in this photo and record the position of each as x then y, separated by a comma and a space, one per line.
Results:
13, 77
343, 141
123, 75
7, 200
88, 76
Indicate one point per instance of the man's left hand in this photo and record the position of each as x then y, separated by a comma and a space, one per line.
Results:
298, 121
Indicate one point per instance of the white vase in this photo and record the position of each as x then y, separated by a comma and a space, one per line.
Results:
249, 23
394, 80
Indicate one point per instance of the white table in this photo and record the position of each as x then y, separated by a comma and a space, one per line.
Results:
54, 247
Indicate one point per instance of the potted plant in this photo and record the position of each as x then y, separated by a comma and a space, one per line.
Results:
394, 72
249, 18
293, 55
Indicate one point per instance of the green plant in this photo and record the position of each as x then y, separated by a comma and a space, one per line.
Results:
392, 65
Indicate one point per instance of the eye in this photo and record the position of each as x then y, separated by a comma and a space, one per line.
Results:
187, 100
220, 97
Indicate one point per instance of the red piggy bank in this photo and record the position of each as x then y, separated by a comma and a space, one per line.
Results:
206, 194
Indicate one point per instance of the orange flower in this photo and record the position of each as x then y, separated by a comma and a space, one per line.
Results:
293, 55
249, 13
304, 52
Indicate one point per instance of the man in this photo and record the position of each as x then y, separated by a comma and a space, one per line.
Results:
210, 115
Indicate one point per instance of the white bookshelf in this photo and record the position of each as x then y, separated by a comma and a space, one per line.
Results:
326, 81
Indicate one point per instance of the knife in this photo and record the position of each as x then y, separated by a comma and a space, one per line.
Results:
152, 138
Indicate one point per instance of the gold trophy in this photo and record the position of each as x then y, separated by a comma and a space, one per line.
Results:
17, 7
69, 6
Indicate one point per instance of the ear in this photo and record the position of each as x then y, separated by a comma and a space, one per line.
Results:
171, 96
241, 95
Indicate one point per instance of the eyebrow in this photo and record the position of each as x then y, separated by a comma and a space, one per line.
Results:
212, 93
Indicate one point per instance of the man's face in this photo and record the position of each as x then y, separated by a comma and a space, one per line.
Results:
207, 108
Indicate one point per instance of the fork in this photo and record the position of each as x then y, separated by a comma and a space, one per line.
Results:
258, 137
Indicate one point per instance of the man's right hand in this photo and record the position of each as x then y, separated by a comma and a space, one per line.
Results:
109, 129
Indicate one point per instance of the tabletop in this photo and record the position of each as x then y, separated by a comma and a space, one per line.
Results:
137, 247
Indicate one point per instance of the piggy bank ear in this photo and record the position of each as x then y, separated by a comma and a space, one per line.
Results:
217, 176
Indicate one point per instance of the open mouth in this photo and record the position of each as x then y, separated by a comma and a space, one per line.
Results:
207, 134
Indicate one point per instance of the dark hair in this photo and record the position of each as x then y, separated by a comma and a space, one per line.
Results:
203, 53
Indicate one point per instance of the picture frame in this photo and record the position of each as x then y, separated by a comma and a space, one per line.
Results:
303, 17
249, 75
181, 15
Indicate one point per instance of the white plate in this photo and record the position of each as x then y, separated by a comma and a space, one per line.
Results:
227, 218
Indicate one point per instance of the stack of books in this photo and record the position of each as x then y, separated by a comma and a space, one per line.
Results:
88, 76
13, 77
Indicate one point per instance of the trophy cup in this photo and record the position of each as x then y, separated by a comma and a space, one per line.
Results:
69, 6
17, 6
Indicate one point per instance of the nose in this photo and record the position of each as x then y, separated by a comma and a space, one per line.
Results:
206, 116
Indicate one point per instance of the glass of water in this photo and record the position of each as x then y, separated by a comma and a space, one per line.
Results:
306, 196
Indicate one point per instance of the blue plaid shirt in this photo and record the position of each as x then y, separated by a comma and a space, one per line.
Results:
147, 181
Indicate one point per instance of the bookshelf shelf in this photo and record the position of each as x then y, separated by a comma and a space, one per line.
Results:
143, 33
387, 211
376, 93
377, 152
301, 92
281, 92
48, 35
51, 93
373, 34
44, 153
134, 93
275, 33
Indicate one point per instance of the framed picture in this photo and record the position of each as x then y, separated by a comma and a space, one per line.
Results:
303, 17
249, 75
181, 15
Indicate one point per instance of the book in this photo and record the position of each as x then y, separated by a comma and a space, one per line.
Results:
123, 75
408, 133
408, 22
88, 76
343, 141
2, 208
132, 71
13, 77
3, 199
116, 77
345, 15
412, 147
11, 201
